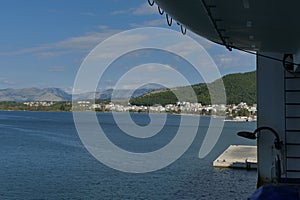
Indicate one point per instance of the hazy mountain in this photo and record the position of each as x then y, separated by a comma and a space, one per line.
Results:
107, 94
56, 94
239, 87
119, 94
34, 94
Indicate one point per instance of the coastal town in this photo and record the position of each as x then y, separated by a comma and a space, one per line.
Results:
240, 112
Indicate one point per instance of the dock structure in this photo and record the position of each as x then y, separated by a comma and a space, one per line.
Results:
238, 156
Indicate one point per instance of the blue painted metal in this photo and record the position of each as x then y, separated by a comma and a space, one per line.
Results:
275, 192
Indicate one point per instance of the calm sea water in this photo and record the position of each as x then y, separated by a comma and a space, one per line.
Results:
42, 157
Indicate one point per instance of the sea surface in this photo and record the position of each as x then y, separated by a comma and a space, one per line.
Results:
42, 157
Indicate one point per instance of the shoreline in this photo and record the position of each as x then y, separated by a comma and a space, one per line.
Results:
231, 120
185, 114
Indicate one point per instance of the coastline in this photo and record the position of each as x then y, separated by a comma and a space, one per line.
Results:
185, 114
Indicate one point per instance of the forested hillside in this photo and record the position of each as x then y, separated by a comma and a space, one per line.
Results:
239, 87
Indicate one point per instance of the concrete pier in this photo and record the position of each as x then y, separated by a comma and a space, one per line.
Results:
238, 156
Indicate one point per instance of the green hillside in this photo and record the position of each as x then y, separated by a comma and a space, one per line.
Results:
239, 87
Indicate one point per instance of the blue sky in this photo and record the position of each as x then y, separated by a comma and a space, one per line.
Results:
44, 42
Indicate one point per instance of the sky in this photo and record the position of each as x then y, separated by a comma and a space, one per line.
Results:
43, 43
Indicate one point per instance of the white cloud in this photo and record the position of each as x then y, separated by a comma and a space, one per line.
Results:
117, 45
234, 61
226, 61
154, 68
157, 22
183, 48
103, 27
143, 9
90, 14
47, 54
6, 82
122, 12
69, 45
56, 69
151, 73
84, 42
201, 40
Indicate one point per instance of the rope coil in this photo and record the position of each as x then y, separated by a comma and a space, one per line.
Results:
161, 11
183, 30
151, 3
169, 20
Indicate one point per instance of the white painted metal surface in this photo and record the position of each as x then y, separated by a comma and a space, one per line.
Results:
270, 106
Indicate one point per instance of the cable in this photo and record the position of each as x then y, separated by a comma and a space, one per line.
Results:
263, 56
286, 64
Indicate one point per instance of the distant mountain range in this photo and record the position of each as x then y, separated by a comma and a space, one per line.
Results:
239, 87
56, 94
34, 94
119, 94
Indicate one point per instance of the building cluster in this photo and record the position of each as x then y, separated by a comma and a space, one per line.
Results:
252, 110
233, 111
240, 112
38, 103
